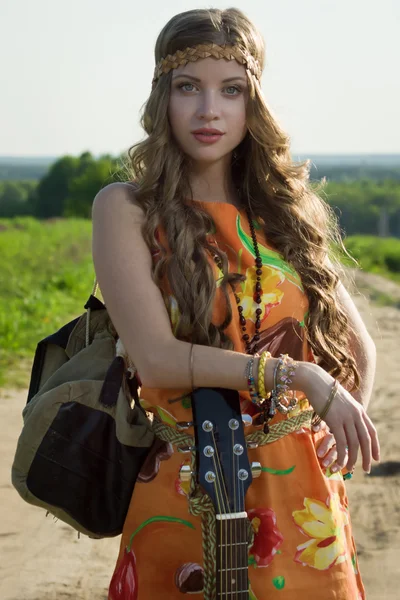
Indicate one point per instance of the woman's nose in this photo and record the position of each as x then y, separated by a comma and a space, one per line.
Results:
208, 108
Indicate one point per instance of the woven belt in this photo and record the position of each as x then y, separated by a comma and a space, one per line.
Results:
276, 431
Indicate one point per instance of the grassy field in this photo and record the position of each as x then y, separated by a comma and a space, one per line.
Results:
46, 276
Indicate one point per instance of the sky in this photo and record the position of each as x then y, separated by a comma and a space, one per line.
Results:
75, 73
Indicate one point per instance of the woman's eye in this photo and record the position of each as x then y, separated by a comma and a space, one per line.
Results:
233, 90
183, 87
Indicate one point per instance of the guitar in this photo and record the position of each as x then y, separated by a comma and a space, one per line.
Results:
225, 474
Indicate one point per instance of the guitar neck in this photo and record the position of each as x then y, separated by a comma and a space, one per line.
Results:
232, 581
225, 474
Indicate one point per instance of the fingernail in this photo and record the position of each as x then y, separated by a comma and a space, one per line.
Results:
325, 463
334, 468
320, 452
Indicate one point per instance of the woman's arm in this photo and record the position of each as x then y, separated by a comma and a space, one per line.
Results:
123, 266
361, 346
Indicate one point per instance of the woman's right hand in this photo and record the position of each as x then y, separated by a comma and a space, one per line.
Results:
346, 418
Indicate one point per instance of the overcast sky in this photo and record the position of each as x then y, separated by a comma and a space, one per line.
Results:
74, 74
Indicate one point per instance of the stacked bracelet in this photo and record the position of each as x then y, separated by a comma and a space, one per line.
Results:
262, 392
284, 370
255, 398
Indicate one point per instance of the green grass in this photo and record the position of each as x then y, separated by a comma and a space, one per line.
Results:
46, 276
375, 255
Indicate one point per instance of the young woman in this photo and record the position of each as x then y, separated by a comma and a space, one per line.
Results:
219, 252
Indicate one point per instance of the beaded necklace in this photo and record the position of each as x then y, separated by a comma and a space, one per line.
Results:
257, 293
266, 409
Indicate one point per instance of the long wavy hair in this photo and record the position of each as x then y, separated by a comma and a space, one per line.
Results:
300, 224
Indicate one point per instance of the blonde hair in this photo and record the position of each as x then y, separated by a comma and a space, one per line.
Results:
295, 219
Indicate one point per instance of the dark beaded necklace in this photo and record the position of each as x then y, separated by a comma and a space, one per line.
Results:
267, 410
257, 293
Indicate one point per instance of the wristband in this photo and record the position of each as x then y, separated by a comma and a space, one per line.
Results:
262, 392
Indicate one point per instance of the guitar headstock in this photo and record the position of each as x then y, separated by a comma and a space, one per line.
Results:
223, 468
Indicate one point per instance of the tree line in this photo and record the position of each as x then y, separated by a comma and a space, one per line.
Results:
365, 202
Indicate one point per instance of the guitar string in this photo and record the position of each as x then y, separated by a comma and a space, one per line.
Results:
245, 549
223, 522
235, 507
221, 475
218, 491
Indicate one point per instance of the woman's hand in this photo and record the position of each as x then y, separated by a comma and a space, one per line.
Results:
326, 450
347, 420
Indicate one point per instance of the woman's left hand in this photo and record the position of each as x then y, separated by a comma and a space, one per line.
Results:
326, 450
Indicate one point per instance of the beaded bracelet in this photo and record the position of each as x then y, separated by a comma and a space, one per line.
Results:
262, 392
285, 368
251, 382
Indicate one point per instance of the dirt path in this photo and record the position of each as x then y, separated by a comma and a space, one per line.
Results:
44, 560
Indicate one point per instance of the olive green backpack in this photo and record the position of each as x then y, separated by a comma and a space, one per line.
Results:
85, 435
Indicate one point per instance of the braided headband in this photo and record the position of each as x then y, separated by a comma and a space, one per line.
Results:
192, 54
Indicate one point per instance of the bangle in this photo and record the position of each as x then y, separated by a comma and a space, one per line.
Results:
262, 392
251, 382
191, 360
328, 404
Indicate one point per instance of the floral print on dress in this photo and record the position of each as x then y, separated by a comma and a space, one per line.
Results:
159, 451
324, 525
267, 537
269, 257
174, 314
162, 413
270, 296
182, 487
338, 476
124, 583
189, 578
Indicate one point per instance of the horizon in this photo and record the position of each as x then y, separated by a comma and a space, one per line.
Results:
97, 155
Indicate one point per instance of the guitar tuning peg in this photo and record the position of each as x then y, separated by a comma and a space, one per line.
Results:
182, 425
256, 469
247, 420
252, 445
185, 449
185, 473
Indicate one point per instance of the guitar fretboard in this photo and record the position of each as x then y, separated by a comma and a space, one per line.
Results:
232, 581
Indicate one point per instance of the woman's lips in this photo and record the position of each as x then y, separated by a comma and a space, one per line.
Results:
208, 138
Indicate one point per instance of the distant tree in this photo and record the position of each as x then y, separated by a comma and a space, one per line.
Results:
14, 198
52, 191
83, 188
366, 206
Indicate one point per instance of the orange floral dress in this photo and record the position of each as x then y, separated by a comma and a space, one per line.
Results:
303, 545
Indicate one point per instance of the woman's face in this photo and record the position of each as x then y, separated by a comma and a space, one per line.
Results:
208, 94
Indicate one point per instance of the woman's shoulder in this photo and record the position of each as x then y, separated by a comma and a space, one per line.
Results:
119, 196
